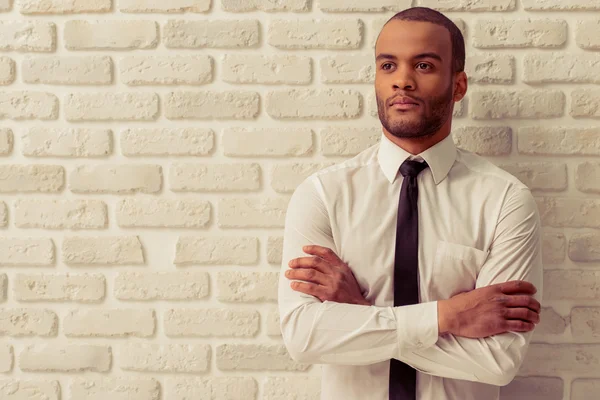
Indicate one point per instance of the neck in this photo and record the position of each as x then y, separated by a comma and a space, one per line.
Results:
417, 145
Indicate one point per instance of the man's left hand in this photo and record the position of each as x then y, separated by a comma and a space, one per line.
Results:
326, 277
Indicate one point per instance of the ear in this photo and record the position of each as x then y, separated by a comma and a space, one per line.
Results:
460, 86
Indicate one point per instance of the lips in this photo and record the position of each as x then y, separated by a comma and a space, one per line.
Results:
403, 100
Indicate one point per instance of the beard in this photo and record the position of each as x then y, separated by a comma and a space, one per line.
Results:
440, 106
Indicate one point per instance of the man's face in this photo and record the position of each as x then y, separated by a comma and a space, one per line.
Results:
414, 64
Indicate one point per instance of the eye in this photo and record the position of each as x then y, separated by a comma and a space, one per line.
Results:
383, 66
427, 66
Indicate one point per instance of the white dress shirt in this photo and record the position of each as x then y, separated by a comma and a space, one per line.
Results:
478, 226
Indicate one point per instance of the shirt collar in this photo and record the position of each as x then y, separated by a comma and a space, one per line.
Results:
440, 158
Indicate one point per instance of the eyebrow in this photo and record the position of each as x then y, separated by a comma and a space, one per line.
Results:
418, 56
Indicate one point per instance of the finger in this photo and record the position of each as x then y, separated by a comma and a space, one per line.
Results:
323, 252
311, 262
308, 275
524, 314
304, 287
513, 287
516, 325
523, 301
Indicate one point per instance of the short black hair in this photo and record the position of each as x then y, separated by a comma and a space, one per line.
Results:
425, 14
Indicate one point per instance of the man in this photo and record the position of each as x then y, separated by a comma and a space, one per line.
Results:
422, 274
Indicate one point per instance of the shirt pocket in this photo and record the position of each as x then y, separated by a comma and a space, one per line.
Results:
456, 268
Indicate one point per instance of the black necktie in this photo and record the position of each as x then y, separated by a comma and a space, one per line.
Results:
403, 377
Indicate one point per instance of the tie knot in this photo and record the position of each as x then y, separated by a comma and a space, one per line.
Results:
412, 168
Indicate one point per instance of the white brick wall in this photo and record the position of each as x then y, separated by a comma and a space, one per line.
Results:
149, 149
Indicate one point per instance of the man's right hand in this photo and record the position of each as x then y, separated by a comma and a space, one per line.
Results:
490, 310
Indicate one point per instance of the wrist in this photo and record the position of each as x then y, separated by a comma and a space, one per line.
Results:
445, 318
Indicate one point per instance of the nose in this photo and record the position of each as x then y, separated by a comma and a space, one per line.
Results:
403, 80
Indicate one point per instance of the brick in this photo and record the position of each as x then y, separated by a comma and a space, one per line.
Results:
28, 36
584, 247
6, 141
149, 286
556, 359
60, 214
211, 322
215, 34
275, 250
252, 212
83, 288
571, 285
66, 142
218, 388
314, 104
533, 388
28, 7
223, 250
544, 176
331, 34
484, 140
519, 103
167, 141
247, 286
551, 323
553, 248
107, 106
558, 5
110, 35
348, 69
286, 177
362, 6
166, 70
65, 358
5, 5
12, 389
109, 323
3, 287
31, 178
561, 68
468, 5
8, 69
129, 388
26, 251
28, 105
585, 324
584, 389
159, 6
212, 105
6, 358
346, 141
267, 70
273, 324
253, 357
562, 212
558, 141
587, 33
543, 33
587, 177
585, 103
377, 25
102, 250
18, 322
267, 142
214, 177
61, 70
132, 178
490, 68
3, 214
292, 388
150, 212
164, 358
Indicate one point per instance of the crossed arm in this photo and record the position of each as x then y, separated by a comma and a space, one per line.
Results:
323, 333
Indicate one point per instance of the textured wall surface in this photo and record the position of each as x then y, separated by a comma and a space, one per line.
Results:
148, 150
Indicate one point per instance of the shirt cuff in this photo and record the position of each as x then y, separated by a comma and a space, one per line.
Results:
417, 325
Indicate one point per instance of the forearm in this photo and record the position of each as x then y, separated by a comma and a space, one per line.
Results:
348, 334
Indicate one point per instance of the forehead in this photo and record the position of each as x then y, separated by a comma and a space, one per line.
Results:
407, 38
